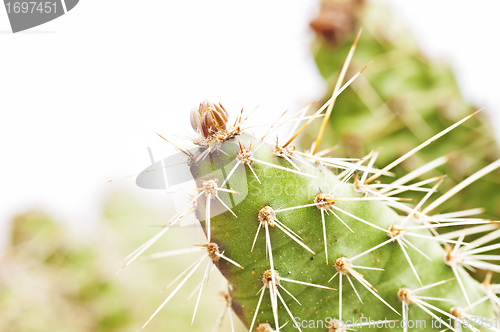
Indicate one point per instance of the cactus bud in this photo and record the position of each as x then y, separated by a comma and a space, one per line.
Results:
209, 119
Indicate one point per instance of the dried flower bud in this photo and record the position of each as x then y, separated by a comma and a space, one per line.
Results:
209, 119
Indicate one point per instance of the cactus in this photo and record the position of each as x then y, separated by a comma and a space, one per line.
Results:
312, 242
307, 242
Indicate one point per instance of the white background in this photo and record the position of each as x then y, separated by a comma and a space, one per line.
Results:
79, 95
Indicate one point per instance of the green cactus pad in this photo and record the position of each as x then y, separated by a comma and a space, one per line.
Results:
280, 189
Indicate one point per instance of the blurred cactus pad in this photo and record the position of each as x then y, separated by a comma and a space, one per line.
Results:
399, 101
53, 279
